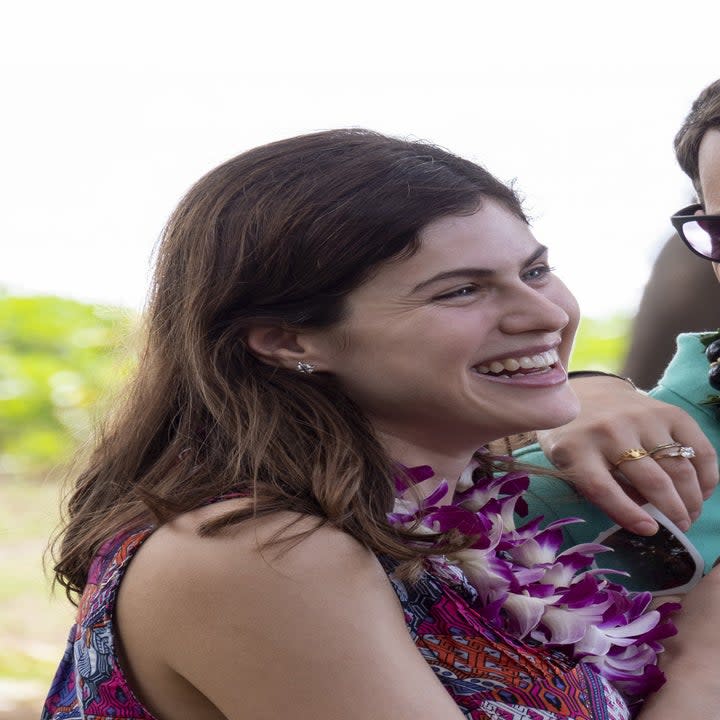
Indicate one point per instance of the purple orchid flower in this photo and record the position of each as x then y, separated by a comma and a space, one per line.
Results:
412, 476
529, 588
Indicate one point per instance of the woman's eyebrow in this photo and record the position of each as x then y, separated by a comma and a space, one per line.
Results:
474, 272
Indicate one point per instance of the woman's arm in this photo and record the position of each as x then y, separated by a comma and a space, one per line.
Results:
314, 633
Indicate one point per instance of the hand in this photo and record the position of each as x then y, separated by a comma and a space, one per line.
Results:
614, 417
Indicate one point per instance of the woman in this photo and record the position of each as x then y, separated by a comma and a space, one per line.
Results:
328, 317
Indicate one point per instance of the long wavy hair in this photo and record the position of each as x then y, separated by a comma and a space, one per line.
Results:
278, 235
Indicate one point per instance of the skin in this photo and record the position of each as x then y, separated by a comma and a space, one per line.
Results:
214, 629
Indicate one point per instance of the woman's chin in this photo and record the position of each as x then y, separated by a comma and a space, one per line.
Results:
557, 416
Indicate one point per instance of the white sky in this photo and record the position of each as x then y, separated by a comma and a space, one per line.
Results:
110, 112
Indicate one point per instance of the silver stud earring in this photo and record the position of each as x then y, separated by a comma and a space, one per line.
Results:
305, 367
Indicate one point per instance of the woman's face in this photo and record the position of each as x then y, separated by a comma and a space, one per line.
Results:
464, 342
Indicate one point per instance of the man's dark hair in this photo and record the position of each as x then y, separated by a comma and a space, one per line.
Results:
703, 116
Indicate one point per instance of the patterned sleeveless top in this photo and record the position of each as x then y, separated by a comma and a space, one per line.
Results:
489, 674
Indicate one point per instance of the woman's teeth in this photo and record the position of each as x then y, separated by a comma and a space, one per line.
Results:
524, 365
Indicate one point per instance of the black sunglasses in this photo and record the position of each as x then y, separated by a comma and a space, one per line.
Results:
666, 563
701, 233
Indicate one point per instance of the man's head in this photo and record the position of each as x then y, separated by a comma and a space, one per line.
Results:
704, 116
697, 147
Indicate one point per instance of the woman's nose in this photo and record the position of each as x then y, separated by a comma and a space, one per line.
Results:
534, 312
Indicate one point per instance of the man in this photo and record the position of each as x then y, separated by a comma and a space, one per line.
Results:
685, 382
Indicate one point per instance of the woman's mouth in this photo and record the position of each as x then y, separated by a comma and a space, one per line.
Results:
524, 365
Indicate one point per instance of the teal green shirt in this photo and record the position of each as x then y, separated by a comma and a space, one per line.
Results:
685, 385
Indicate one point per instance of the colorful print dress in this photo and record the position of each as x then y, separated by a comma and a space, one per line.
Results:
490, 675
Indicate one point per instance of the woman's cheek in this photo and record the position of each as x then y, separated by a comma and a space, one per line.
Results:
567, 301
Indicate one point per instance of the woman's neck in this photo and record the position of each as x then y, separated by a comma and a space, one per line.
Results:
447, 466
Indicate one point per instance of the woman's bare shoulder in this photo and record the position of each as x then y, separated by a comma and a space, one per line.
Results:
308, 630
282, 543
258, 567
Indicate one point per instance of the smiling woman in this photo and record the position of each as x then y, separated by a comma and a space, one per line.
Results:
478, 291
258, 533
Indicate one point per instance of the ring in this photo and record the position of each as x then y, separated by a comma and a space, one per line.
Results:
665, 446
683, 451
631, 454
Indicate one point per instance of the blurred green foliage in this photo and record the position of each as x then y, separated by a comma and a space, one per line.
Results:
601, 343
59, 359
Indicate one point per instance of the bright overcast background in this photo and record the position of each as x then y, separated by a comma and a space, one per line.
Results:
110, 111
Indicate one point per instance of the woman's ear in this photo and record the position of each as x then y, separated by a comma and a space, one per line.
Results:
280, 347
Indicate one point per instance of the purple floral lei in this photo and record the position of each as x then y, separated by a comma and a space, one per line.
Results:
526, 588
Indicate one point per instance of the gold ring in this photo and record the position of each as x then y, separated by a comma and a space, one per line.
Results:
631, 454
665, 446
683, 451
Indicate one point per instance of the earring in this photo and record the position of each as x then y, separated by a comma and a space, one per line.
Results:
305, 367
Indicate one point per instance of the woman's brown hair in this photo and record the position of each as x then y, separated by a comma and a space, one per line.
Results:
278, 235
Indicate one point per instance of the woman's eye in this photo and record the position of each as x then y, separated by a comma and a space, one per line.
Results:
537, 272
464, 291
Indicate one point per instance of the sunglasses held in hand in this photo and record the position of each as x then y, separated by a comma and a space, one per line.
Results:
666, 563
701, 233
